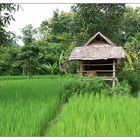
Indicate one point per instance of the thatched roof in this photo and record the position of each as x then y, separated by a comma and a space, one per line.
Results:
102, 37
98, 47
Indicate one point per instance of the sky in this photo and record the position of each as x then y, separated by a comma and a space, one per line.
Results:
36, 13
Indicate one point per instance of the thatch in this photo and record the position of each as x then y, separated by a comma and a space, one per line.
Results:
101, 36
97, 49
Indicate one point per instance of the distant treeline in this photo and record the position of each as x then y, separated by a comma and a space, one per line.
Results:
46, 48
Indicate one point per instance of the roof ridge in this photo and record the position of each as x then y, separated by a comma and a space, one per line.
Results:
103, 36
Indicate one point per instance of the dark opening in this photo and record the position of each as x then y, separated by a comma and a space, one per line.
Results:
100, 69
98, 39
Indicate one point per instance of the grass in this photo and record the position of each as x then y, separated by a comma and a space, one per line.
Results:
21, 77
89, 115
27, 105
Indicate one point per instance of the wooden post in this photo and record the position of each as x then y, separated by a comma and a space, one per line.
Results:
81, 68
78, 67
113, 82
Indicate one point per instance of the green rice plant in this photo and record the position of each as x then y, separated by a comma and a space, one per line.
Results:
89, 115
27, 105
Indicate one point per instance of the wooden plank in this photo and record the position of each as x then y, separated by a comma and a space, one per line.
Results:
107, 78
99, 70
97, 64
104, 74
104, 70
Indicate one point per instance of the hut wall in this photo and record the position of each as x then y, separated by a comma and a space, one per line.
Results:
97, 67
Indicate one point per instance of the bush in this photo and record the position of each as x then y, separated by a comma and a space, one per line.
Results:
84, 85
133, 80
122, 88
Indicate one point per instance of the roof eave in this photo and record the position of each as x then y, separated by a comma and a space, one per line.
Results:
96, 58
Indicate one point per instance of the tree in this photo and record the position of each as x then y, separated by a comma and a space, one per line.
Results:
30, 58
28, 34
58, 28
130, 24
30, 53
6, 11
50, 67
9, 63
91, 18
57, 36
132, 48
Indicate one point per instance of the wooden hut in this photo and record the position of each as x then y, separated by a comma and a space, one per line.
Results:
98, 57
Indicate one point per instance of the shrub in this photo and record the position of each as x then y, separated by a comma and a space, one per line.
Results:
122, 88
84, 85
97, 86
133, 80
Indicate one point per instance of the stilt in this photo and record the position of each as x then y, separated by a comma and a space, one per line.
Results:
114, 78
81, 68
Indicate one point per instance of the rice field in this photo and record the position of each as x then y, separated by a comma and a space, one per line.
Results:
33, 107
27, 105
88, 115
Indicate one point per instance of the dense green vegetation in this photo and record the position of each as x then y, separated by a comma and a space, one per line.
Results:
6, 16
54, 39
89, 115
27, 106
37, 79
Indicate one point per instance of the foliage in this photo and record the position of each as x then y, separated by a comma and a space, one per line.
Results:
53, 51
133, 80
77, 86
132, 53
130, 24
56, 38
50, 67
122, 88
133, 48
92, 18
30, 57
137, 67
131, 68
28, 34
66, 66
9, 63
6, 16
58, 28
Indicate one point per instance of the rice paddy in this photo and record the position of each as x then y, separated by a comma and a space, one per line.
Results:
27, 105
89, 115
28, 108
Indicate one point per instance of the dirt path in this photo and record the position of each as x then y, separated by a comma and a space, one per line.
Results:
53, 120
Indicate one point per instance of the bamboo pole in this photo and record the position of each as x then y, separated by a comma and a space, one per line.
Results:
81, 68
113, 82
78, 67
